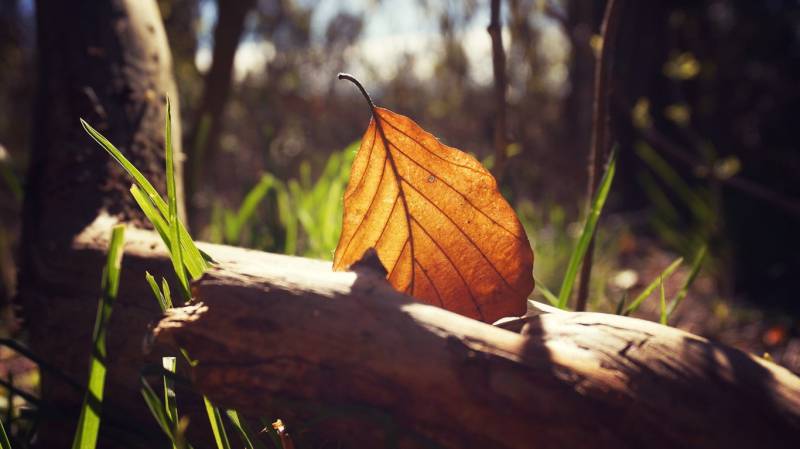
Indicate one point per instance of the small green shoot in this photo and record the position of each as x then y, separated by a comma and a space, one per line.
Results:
589, 227
167, 295
634, 306
234, 223
89, 421
172, 429
217, 426
693, 272
671, 177
151, 281
4, 443
547, 293
662, 303
172, 198
170, 404
250, 439
620, 309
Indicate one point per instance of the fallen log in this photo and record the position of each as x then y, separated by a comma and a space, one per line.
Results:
348, 361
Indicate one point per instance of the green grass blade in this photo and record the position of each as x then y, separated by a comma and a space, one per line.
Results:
167, 294
248, 207
156, 291
663, 169
194, 259
138, 177
249, 438
4, 443
620, 309
589, 227
89, 421
288, 219
217, 425
662, 304
170, 428
547, 293
150, 212
634, 306
657, 197
157, 409
177, 253
172, 198
170, 404
195, 265
695, 270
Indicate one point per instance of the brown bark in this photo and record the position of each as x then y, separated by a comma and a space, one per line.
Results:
344, 359
109, 63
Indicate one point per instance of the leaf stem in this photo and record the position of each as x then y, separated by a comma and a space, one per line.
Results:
352, 79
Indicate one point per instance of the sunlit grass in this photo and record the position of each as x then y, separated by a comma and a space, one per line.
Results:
596, 208
4, 443
187, 260
89, 421
306, 214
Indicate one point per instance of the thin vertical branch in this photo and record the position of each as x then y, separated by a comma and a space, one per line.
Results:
500, 87
601, 132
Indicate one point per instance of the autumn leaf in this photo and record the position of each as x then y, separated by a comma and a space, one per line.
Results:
437, 220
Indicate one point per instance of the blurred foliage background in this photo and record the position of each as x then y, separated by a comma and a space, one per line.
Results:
705, 103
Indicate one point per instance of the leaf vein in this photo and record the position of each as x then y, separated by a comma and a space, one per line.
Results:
433, 284
424, 147
466, 236
364, 173
452, 264
466, 198
366, 213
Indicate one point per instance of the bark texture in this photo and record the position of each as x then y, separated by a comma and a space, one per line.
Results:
348, 361
109, 63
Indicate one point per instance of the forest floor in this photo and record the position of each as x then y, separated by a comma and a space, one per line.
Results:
706, 312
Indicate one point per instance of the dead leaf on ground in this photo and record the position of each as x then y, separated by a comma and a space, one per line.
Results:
437, 220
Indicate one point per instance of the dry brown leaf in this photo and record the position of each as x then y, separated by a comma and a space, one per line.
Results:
437, 220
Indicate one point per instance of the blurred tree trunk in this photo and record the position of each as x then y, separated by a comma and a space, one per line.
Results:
109, 63
206, 126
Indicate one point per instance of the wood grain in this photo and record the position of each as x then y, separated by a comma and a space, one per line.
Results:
345, 359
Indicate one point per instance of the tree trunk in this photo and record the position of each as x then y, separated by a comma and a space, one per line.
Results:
206, 126
350, 362
109, 63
